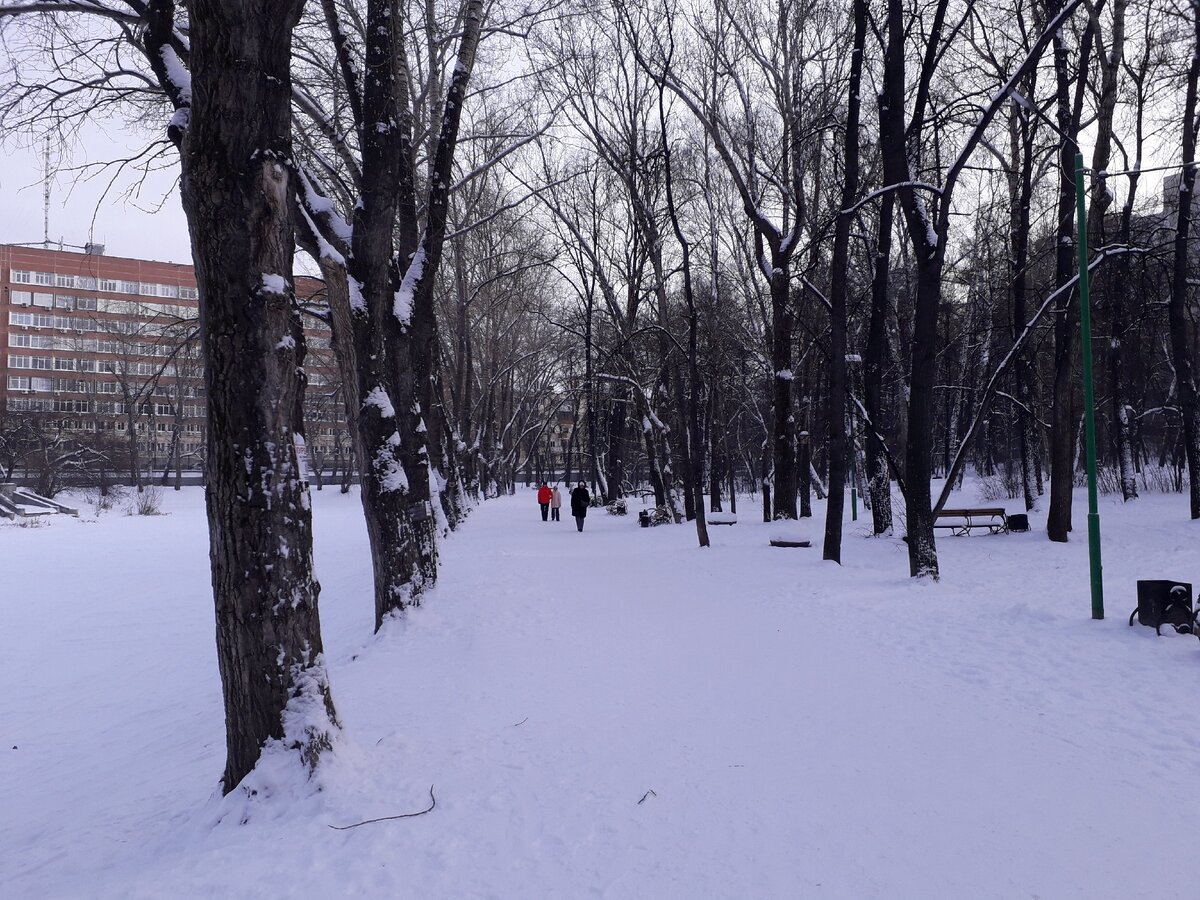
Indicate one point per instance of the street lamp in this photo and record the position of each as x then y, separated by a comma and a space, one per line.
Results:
1085, 330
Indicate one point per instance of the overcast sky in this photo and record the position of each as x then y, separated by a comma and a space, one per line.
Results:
142, 226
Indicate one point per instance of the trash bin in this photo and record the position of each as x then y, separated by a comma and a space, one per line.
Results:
644, 518
1018, 522
1164, 602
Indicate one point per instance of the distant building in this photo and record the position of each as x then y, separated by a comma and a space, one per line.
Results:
1170, 194
82, 335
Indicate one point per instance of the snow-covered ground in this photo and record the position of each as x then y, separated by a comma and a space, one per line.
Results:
614, 714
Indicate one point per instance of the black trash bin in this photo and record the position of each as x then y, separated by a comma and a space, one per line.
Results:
644, 518
1164, 602
1018, 522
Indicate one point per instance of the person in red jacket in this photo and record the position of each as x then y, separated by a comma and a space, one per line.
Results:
544, 495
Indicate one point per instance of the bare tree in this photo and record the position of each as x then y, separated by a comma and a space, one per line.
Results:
1181, 343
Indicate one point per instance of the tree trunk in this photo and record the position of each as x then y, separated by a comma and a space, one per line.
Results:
1111, 282
236, 192
839, 266
1065, 412
1020, 195
878, 480
929, 253
784, 419
1177, 309
804, 455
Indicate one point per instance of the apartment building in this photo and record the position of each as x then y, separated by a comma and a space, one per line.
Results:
99, 344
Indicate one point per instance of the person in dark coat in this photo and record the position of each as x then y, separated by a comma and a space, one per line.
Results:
580, 498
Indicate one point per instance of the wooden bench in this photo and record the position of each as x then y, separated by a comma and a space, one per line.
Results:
963, 521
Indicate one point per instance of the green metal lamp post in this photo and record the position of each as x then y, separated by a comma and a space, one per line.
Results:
1089, 408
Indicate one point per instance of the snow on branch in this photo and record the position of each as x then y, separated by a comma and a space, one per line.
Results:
918, 185
331, 232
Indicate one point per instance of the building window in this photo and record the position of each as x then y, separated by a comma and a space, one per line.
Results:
64, 364
87, 365
87, 282
18, 277
40, 342
130, 287
63, 302
109, 285
20, 298
30, 404
148, 290
46, 278
40, 299
85, 303
189, 293
64, 280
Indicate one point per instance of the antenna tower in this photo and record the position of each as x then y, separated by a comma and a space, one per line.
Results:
46, 194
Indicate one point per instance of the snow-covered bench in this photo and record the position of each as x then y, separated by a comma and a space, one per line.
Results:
962, 521
789, 533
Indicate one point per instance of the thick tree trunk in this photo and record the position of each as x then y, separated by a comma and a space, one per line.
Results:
878, 480
717, 460
784, 419
614, 454
804, 454
1020, 194
1065, 411
236, 192
766, 480
929, 252
383, 428
659, 478
1177, 309
839, 266
922, 549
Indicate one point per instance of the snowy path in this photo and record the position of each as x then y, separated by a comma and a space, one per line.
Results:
806, 730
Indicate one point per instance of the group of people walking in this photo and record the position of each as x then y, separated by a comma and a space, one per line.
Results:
550, 500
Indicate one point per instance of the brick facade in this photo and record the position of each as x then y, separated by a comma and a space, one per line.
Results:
82, 334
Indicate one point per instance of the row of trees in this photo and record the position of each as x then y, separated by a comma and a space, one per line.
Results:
806, 242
